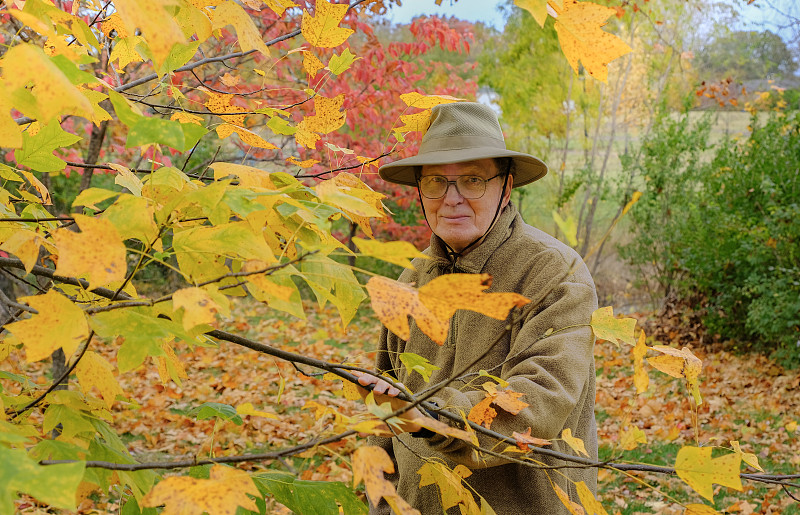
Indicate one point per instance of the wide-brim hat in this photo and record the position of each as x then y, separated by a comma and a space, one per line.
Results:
458, 132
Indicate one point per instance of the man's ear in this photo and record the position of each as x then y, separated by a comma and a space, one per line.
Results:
509, 186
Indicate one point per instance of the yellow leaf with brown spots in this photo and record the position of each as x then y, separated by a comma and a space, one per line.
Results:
433, 304
93, 370
579, 26
311, 63
230, 13
328, 115
220, 103
221, 494
248, 137
198, 306
615, 330
158, 27
37, 333
10, 132
304, 137
307, 163
279, 6
183, 117
574, 442
700, 471
421, 101
25, 245
369, 464
114, 23
53, 92
322, 30
96, 252
537, 8
418, 122
680, 363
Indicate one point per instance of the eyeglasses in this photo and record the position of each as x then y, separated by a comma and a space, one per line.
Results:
468, 186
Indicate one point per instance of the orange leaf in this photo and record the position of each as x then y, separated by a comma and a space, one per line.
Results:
369, 463
524, 440
483, 413
509, 401
434, 304
221, 494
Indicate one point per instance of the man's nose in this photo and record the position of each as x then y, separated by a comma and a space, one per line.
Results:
452, 196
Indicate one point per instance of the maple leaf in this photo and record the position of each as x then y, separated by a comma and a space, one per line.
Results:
369, 464
579, 26
328, 115
37, 150
396, 252
80, 253
679, 363
52, 484
451, 486
747, 457
483, 413
311, 63
416, 363
94, 370
574, 442
152, 17
573, 507
525, 440
606, 327
699, 470
198, 306
279, 6
25, 245
225, 490
433, 304
537, 8
589, 501
124, 51
700, 509
339, 63
36, 333
230, 13
421, 101
38, 186
640, 378
169, 366
322, 30
630, 437
418, 122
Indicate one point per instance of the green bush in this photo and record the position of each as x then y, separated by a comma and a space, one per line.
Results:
725, 227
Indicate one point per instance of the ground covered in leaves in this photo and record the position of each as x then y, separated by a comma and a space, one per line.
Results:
747, 399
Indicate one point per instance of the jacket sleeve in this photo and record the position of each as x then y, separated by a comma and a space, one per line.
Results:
552, 372
383, 364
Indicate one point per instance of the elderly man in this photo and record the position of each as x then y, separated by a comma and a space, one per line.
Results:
464, 175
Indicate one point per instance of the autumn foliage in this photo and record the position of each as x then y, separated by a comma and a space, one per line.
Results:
235, 144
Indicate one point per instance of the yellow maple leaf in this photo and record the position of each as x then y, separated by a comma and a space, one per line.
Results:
169, 366
248, 137
124, 51
311, 63
114, 23
579, 26
679, 363
573, 507
747, 457
10, 132
221, 494
589, 501
700, 509
328, 115
322, 30
37, 333
54, 93
640, 378
537, 8
96, 252
369, 464
397, 252
279, 6
158, 27
433, 304
630, 437
198, 306
220, 103
351, 200
421, 101
606, 327
700, 471
454, 491
248, 409
94, 370
25, 245
231, 13
574, 442
418, 122
307, 163
183, 117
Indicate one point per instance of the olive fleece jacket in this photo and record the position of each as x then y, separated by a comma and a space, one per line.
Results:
555, 373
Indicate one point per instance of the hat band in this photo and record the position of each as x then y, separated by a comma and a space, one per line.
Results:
446, 143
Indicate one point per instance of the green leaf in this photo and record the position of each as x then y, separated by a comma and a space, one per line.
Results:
53, 484
280, 126
7, 173
24, 381
416, 363
125, 113
310, 497
92, 196
72, 72
147, 131
216, 410
177, 57
37, 151
72, 421
339, 63
569, 227
334, 282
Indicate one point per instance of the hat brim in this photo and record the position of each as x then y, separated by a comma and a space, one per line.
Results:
527, 167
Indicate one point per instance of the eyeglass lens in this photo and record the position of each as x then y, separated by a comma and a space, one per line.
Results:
468, 186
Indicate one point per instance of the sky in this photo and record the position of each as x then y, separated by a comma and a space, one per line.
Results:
487, 11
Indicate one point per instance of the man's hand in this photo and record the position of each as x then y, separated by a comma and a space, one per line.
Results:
383, 392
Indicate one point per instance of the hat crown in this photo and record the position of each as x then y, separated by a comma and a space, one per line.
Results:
463, 120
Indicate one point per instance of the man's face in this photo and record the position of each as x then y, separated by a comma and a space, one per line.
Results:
457, 220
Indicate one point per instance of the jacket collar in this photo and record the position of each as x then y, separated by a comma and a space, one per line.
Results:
475, 260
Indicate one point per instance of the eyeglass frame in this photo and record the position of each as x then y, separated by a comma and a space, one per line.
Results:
455, 183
